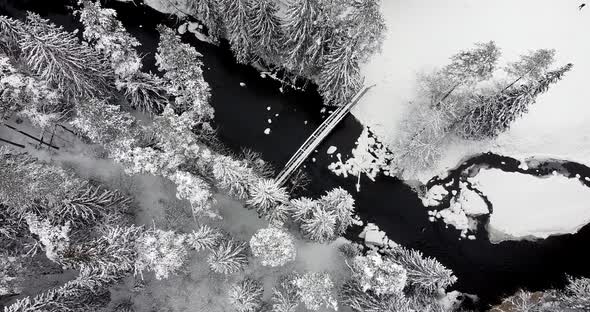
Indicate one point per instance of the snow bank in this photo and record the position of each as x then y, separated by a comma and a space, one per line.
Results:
423, 34
528, 206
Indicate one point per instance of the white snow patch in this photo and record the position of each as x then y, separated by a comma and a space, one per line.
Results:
269, 121
267, 131
268, 108
528, 206
331, 150
434, 195
182, 29
242, 84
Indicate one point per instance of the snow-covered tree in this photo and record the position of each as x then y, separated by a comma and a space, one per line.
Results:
341, 203
265, 29
107, 35
315, 291
366, 24
233, 176
494, 114
531, 66
58, 57
302, 208
28, 96
181, 65
12, 271
196, 191
79, 294
228, 257
273, 246
55, 239
424, 273
163, 252
576, 295
359, 300
114, 252
204, 237
320, 226
285, 296
145, 92
298, 24
340, 77
209, 13
246, 295
265, 195
102, 122
10, 32
236, 17
379, 275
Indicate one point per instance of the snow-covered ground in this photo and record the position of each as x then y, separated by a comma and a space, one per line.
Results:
525, 205
423, 34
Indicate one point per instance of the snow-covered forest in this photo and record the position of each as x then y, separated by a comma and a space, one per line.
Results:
119, 190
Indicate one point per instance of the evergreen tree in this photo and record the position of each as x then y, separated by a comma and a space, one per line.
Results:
298, 24
81, 294
203, 238
494, 114
320, 226
359, 300
233, 176
208, 12
340, 79
236, 17
183, 72
265, 195
341, 203
366, 23
228, 257
108, 36
302, 208
378, 274
424, 273
265, 29
576, 295
246, 295
285, 296
531, 66
10, 33
57, 57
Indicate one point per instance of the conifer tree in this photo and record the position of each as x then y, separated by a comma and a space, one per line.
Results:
10, 33
320, 226
340, 79
265, 29
236, 17
246, 295
163, 252
341, 203
265, 195
228, 257
57, 57
285, 296
298, 24
424, 273
208, 12
233, 176
315, 291
183, 72
494, 114
203, 238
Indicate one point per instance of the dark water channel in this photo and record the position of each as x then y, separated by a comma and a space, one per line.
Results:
485, 269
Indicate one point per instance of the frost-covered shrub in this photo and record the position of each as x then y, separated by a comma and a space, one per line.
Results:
379, 275
246, 295
55, 239
273, 246
228, 257
265, 194
302, 208
163, 252
315, 291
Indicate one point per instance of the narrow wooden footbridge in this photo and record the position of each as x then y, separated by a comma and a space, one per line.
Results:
317, 137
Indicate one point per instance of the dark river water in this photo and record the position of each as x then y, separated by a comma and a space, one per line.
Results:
485, 269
